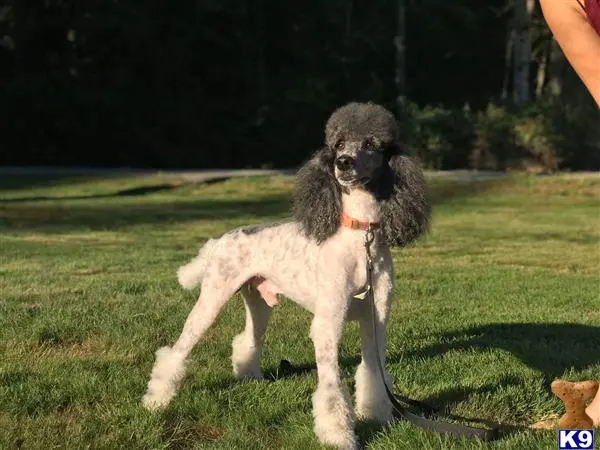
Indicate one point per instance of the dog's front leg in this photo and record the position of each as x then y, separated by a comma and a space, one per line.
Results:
371, 399
334, 418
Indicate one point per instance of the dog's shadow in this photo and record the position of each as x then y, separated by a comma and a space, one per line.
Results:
551, 349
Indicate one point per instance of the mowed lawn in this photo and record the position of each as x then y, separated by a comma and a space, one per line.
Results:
499, 299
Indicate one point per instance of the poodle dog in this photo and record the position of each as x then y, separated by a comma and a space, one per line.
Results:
358, 181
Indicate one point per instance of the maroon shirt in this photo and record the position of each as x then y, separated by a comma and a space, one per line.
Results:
592, 10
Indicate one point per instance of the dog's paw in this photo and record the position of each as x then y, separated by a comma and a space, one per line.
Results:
372, 402
153, 402
243, 374
334, 420
331, 431
168, 371
245, 359
340, 441
379, 412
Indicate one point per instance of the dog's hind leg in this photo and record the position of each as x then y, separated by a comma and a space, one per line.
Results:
169, 367
247, 345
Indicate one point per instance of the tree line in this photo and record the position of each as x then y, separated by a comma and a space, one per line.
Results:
215, 83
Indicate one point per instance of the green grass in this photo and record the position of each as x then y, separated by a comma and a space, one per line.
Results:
499, 299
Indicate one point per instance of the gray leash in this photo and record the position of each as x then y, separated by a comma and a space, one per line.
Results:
419, 413
414, 411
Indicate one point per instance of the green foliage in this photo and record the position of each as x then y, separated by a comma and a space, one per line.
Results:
561, 135
496, 141
440, 137
546, 136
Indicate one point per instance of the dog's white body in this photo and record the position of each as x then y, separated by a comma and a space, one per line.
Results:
322, 279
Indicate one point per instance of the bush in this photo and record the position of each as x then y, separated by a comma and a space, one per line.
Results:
496, 143
547, 136
440, 138
562, 136
535, 141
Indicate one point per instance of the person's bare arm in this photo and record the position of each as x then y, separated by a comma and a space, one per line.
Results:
577, 39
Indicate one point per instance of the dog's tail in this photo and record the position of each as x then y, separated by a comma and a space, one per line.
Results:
190, 275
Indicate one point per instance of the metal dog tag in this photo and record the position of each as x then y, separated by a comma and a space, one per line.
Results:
363, 293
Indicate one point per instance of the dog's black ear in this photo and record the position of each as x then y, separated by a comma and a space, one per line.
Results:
317, 197
405, 213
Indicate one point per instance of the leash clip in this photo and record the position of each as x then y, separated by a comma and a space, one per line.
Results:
367, 289
369, 238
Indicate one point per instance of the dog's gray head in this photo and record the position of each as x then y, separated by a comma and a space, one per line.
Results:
362, 151
362, 138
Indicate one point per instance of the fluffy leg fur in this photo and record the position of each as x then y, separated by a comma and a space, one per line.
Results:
247, 345
334, 418
371, 398
167, 373
169, 367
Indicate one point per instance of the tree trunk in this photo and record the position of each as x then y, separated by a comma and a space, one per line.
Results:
542, 70
522, 51
510, 40
563, 81
400, 75
558, 66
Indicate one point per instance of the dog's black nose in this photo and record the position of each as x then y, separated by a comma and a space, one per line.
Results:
344, 162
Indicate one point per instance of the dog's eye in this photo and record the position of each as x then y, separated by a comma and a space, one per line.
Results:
369, 145
339, 144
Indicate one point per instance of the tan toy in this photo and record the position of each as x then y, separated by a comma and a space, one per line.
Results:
575, 396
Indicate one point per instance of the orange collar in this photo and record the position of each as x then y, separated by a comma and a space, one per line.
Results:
349, 222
